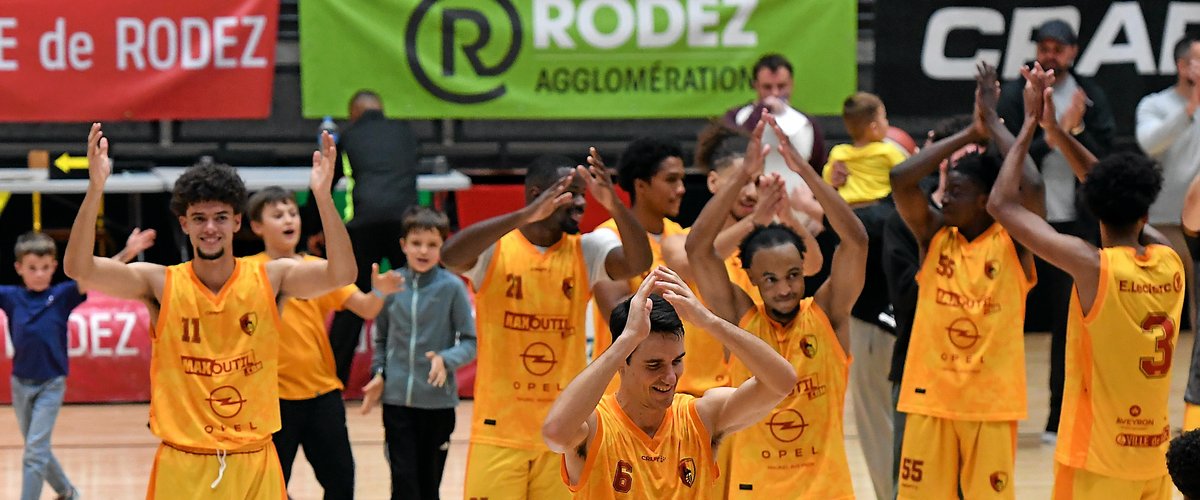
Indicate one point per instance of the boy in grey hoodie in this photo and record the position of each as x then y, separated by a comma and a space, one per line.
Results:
425, 332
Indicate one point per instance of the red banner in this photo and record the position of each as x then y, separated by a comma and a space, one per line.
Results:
70, 60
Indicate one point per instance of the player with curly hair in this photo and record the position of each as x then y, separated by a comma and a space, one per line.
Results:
1123, 318
214, 369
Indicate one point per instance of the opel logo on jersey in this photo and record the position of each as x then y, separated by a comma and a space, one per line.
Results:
787, 425
538, 358
225, 401
963, 333
248, 322
687, 472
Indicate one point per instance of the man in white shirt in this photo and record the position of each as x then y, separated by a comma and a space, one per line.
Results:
1167, 131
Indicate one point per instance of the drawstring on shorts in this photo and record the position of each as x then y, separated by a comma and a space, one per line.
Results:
220, 471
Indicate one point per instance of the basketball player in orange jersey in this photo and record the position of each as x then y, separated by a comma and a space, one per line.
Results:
796, 451
721, 152
646, 441
215, 339
651, 171
964, 379
1122, 327
311, 410
533, 275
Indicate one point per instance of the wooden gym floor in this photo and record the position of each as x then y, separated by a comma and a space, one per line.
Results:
107, 450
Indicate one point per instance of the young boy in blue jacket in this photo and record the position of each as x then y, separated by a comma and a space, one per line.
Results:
37, 314
425, 332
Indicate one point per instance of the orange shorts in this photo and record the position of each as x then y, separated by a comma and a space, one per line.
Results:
1078, 484
501, 473
942, 455
203, 474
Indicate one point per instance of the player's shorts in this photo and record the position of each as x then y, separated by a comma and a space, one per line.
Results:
935, 447
500, 473
1191, 417
1071, 483
185, 473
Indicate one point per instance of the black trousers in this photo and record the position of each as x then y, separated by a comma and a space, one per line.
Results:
371, 244
319, 425
417, 443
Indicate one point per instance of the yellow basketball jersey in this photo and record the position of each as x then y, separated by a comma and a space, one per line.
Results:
600, 321
306, 366
624, 462
530, 314
1118, 372
966, 359
215, 359
797, 451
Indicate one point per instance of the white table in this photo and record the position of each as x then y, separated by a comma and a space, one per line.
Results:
296, 178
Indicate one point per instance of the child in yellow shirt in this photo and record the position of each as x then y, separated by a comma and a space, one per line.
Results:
859, 171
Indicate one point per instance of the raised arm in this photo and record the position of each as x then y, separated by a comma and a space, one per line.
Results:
849, 267
312, 278
572, 419
726, 299
726, 410
368, 305
633, 257
461, 250
911, 202
1073, 255
1077, 155
140, 281
987, 92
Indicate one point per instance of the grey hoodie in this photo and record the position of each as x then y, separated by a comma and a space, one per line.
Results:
432, 313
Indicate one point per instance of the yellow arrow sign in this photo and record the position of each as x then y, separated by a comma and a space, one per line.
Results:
67, 163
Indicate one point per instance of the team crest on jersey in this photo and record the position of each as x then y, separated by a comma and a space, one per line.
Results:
248, 322
568, 286
687, 472
998, 480
991, 268
808, 345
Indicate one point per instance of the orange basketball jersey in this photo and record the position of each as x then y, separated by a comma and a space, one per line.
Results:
797, 451
214, 363
530, 314
306, 367
600, 322
624, 462
966, 360
1118, 372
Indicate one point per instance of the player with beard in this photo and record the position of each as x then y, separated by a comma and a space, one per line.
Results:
803, 436
533, 275
213, 311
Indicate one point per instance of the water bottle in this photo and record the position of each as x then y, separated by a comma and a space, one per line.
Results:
327, 125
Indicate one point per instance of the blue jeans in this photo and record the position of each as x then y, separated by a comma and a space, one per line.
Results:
36, 404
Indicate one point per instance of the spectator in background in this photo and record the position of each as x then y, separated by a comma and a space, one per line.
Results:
773, 84
1167, 131
859, 171
379, 159
1084, 112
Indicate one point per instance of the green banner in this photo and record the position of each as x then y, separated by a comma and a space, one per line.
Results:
570, 58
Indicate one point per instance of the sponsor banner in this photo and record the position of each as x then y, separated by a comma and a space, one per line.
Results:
570, 58
926, 50
70, 60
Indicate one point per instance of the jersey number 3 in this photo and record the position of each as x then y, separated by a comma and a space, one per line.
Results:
1153, 366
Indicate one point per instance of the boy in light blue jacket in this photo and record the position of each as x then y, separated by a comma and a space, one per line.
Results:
425, 332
